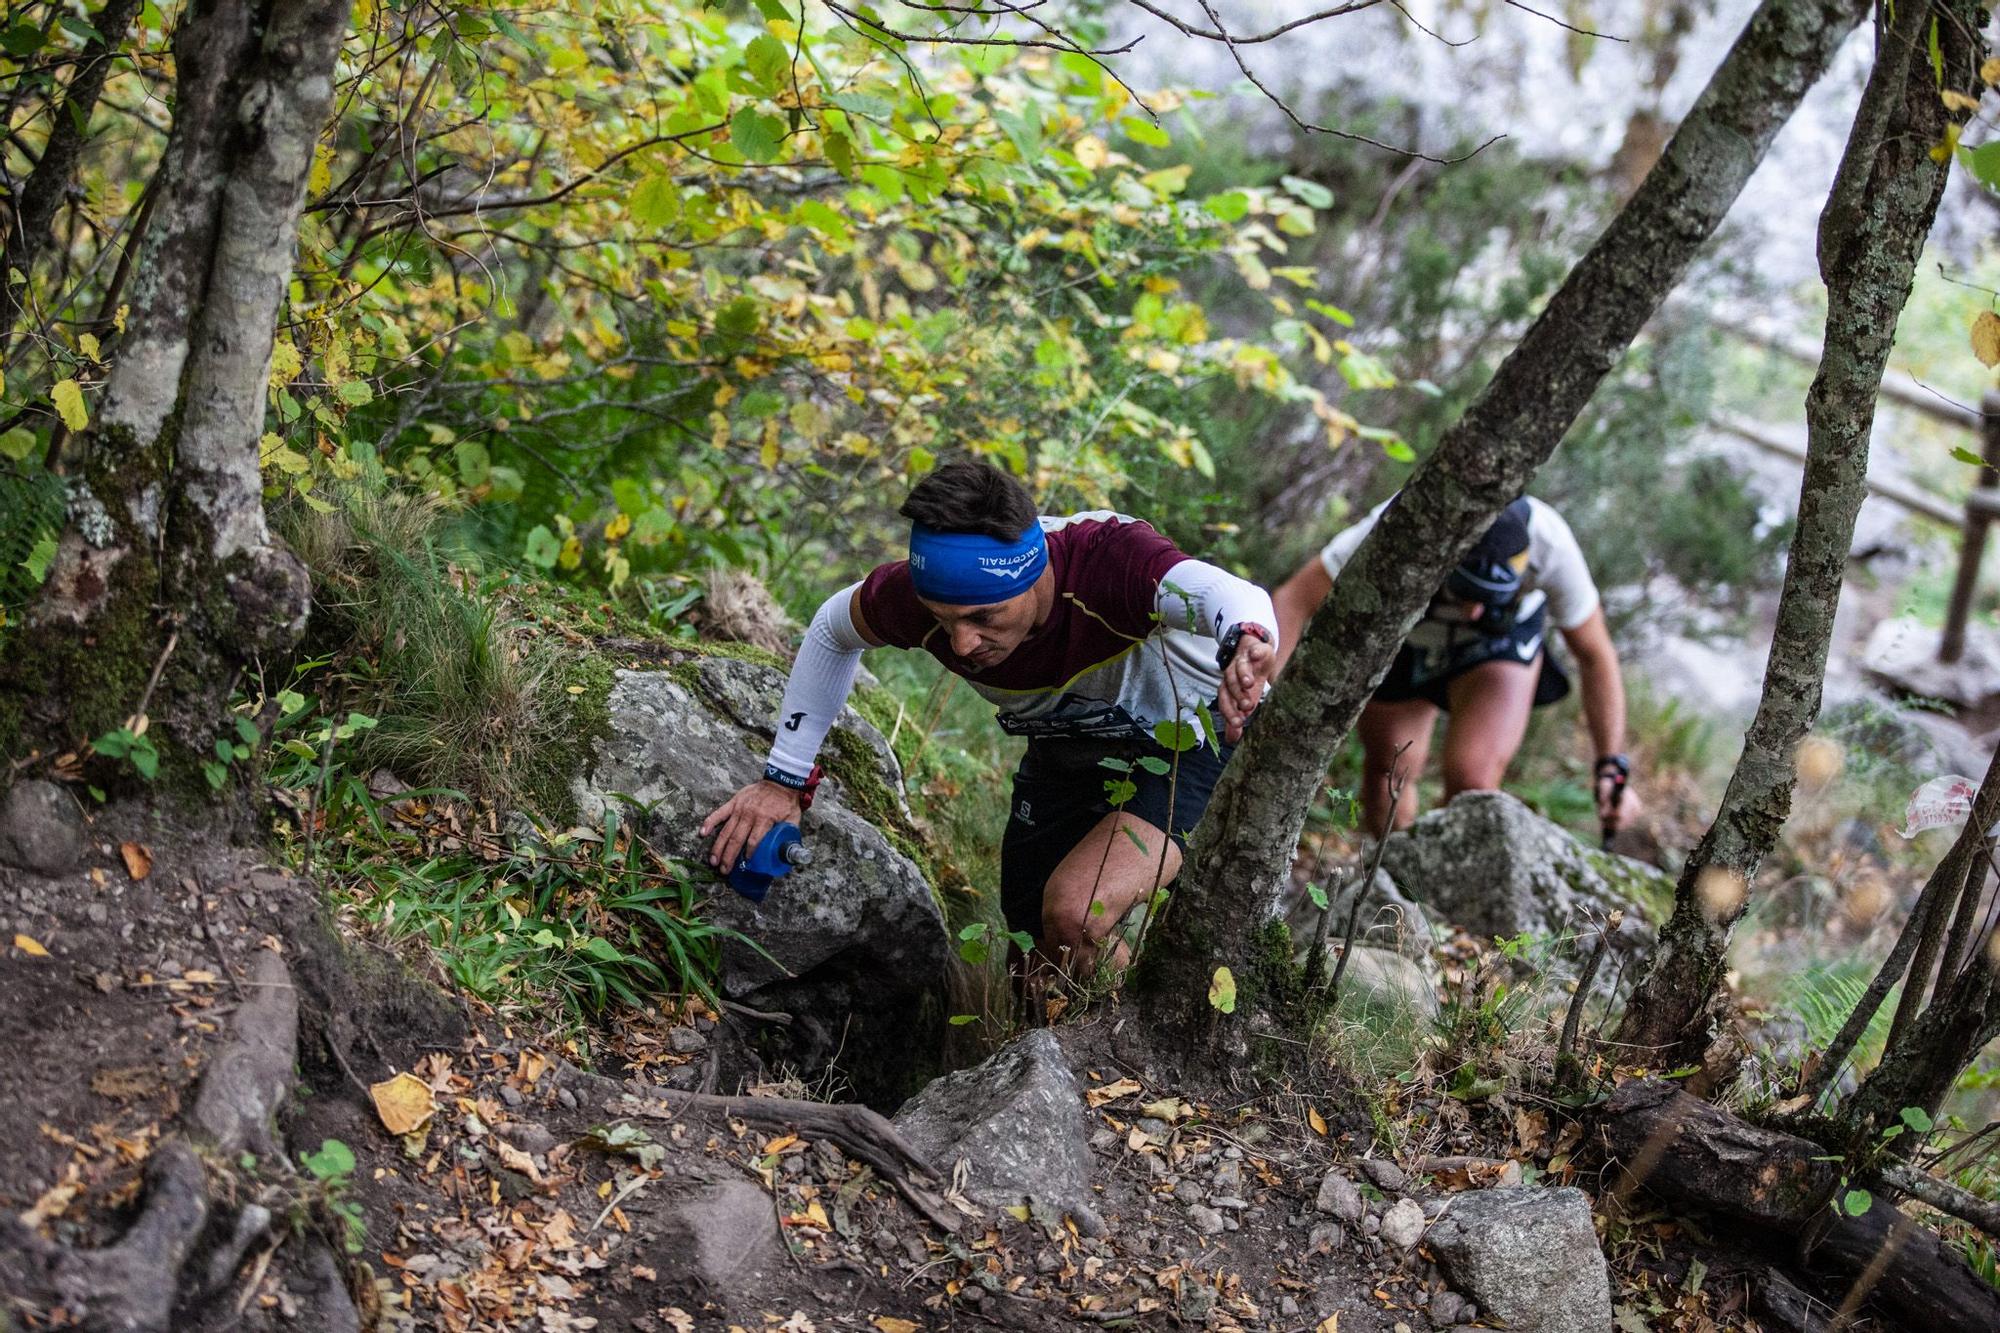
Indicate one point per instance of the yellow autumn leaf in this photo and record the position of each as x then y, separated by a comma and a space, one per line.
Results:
87, 344
1957, 101
1222, 990
1111, 1092
891, 1324
1989, 70
29, 945
1091, 152
321, 178
68, 399
1317, 1122
1986, 338
617, 527
817, 1216
404, 1103
285, 363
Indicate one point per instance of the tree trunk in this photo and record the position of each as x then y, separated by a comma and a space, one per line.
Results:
1872, 233
1226, 903
166, 582
1771, 1186
48, 183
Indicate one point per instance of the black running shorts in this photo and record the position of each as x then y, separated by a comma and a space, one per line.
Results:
1427, 673
1060, 796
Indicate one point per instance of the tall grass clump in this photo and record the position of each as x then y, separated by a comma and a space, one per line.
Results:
464, 695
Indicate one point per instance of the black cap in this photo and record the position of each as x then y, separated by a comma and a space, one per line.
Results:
1490, 572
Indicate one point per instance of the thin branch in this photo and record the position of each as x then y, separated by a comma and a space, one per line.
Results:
1313, 128
1219, 34
1551, 18
1945, 1197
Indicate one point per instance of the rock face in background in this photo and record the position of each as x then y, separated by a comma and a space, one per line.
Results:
1529, 1256
1017, 1121
1389, 918
1491, 865
858, 932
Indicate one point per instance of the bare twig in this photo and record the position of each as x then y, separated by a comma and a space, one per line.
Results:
1566, 1050
1398, 778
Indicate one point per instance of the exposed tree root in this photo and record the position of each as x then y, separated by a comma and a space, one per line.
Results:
137, 1284
860, 1132
1775, 1184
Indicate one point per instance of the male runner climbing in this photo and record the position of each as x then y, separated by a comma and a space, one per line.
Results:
1478, 653
1088, 631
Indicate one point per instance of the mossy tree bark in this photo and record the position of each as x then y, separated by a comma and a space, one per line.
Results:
1227, 900
166, 573
1872, 231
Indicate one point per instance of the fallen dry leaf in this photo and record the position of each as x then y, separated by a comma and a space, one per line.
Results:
1330, 1324
891, 1324
1314, 1119
1111, 1092
679, 1320
405, 1103
27, 944
138, 859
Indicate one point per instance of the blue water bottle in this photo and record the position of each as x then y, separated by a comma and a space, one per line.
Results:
780, 852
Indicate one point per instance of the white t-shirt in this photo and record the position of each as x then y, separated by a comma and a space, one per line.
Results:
1556, 573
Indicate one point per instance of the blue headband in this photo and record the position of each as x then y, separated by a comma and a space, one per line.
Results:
972, 569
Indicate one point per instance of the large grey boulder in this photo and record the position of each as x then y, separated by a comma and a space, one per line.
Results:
40, 828
856, 932
1529, 1256
1017, 1121
1495, 868
1382, 980
1389, 918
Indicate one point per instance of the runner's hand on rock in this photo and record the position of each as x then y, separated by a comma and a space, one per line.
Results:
741, 822
1243, 682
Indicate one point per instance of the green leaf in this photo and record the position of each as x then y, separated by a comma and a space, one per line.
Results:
756, 135
1960, 452
355, 392
1396, 448
1222, 990
1176, 736
1155, 765
1310, 193
1318, 896
40, 556
17, 443
474, 463
1917, 1118
1229, 206
769, 62
1937, 54
656, 202
542, 548
1022, 940
215, 773
960, 1020
1857, 1202
246, 731
1984, 163
972, 932
1145, 132
1208, 731
1118, 791
1137, 841
1115, 764
333, 1160
22, 40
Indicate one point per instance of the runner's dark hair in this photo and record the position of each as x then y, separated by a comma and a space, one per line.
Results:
968, 495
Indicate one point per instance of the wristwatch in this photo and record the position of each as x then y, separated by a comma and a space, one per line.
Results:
804, 786
1225, 646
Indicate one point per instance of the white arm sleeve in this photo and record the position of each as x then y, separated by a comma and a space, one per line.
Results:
821, 679
1197, 596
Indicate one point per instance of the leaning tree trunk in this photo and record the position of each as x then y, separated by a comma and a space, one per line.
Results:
1871, 236
1225, 906
166, 582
